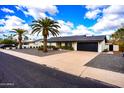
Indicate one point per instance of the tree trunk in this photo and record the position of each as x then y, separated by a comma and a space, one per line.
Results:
20, 41
45, 44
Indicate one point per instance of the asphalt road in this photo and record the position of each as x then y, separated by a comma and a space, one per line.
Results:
20, 73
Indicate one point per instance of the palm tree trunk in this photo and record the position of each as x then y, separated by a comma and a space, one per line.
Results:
20, 41
45, 44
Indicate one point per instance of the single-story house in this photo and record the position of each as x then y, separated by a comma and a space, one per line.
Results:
81, 42
32, 43
78, 43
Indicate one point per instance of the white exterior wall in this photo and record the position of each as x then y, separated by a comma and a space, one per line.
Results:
107, 47
74, 45
101, 46
36, 44
115, 48
62, 44
51, 44
39, 43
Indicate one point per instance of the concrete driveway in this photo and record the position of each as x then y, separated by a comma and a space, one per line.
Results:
70, 62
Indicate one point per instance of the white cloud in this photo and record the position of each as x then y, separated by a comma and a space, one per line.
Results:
114, 9
107, 32
82, 30
7, 10
92, 14
35, 13
2, 21
94, 11
38, 11
12, 22
94, 7
113, 18
67, 29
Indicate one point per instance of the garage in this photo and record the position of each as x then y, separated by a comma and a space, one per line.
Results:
87, 46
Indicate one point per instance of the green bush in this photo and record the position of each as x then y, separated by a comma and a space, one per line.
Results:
55, 48
8, 41
40, 48
105, 50
121, 48
67, 47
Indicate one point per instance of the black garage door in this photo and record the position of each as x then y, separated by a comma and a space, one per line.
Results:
87, 46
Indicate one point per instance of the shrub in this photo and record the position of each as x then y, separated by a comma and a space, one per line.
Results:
121, 48
67, 47
105, 50
55, 48
40, 48
50, 46
8, 41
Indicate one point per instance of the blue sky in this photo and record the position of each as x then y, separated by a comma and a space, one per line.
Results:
74, 19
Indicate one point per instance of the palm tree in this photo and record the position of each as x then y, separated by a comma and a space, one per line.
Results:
20, 32
45, 26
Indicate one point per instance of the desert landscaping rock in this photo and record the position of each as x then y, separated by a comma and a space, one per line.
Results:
37, 52
109, 62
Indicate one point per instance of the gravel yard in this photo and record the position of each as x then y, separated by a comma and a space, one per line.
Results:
112, 62
37, 52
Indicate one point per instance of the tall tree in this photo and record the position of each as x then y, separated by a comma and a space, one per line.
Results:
45, 26
20, 32
118, 35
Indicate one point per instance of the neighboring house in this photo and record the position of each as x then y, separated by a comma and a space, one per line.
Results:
81, 43
32, 43
24, 38
27, 42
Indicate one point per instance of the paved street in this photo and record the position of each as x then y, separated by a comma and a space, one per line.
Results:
17, 72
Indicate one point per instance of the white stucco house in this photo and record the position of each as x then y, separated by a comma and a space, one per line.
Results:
78, 43
84, 43
33, 43
81, 42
